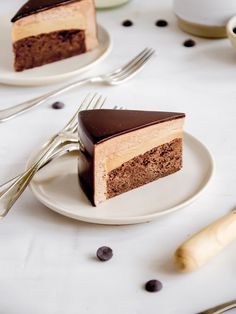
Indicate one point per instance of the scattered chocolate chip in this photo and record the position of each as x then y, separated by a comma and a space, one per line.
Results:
161, 23
153, 285
58, 105
104, 253
189, 43
234, 30
127, 23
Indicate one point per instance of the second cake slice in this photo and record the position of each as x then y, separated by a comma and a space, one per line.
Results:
45, 31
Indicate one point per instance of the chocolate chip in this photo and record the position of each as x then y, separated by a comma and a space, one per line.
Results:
234, 30
161, 23
189, 43
104, 253
127, 23
58, 105
153, 285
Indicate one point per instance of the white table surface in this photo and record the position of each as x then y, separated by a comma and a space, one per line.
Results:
47, 262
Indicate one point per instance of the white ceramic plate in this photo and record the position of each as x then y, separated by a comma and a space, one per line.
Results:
50, 73
56, 186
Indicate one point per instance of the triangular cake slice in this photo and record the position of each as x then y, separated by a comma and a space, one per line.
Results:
45, 31
125, 149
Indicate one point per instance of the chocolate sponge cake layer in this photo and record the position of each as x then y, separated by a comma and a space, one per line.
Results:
38, 50
154, 164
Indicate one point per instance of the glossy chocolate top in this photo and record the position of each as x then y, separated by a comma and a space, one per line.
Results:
35, 6
101, 125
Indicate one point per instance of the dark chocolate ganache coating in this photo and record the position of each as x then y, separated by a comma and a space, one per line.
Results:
35, 6
97, 126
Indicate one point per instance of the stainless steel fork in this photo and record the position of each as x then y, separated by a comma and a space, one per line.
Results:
68, 147
115, 77
10, 191
221, 308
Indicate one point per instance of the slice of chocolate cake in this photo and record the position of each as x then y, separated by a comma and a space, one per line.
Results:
125, 149
45, 31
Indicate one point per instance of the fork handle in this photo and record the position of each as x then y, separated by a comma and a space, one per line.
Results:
10, 191
9, 113
220, 308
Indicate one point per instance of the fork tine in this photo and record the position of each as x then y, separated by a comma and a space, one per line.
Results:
99, 103
73, 120
85, 105
85, 101
135, 66
128, 63
118, 108
96, 102
128, 74
90, 104
131, 64
137, 57
102, 103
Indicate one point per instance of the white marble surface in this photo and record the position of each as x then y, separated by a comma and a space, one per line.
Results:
47, 262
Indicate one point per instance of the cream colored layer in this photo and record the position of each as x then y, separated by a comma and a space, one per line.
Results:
62, 17
113, 153
79, 15
115, 160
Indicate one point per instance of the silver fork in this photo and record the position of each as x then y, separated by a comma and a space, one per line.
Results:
221, 308
10, 191
67, 148
115, 77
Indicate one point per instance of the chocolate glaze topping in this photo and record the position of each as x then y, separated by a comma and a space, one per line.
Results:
35, 6
101, 125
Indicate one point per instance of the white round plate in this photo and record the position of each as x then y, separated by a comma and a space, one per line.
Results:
57, 187
53, 72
